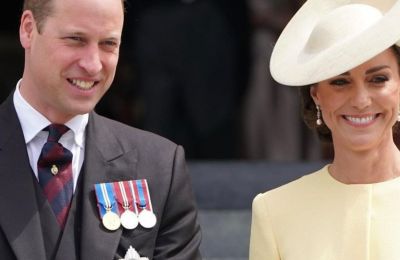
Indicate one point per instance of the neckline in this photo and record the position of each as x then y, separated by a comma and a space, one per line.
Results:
384, 184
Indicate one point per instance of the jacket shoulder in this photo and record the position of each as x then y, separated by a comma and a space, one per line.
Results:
132, 135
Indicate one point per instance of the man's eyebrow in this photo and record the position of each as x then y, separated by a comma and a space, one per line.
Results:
81, 34
112, 38
75, 33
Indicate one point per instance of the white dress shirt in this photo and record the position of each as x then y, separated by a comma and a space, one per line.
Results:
33, 123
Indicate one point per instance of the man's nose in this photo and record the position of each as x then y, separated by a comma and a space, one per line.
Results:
91, 60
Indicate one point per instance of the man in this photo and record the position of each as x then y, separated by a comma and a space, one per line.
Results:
71, 53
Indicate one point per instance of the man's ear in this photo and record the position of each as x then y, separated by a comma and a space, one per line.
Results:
27, 28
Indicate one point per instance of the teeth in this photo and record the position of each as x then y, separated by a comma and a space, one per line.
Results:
83, 84
360, 120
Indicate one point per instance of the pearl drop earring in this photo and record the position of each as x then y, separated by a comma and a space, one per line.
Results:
319, 120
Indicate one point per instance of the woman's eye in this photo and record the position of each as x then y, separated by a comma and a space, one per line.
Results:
338, 82
379, 79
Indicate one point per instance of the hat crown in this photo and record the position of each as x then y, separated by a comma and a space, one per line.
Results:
326, 38
341, 24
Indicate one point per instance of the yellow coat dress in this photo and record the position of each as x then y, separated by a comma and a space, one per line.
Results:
319, 218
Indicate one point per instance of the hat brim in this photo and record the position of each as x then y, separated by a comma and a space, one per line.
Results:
288, 68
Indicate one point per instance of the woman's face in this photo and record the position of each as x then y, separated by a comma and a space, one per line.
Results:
361, 106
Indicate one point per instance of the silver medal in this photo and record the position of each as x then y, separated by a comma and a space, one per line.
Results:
129, 219
111, 221
147, 219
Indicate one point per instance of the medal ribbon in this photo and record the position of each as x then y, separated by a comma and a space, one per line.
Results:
142, 192
134, 202
106, 198
124, 196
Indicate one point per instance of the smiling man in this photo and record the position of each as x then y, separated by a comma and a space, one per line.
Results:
74, 184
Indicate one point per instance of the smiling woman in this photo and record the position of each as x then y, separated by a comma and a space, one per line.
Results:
345, 54
361, 106
310, 116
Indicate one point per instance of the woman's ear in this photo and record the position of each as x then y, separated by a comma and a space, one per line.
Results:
314, 94
27, 28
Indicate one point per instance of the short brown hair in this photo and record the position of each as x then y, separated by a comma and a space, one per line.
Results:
41, 9
309, 111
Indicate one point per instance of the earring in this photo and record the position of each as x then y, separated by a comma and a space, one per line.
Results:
319, 120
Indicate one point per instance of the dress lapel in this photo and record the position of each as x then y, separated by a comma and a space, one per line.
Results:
20, 219
105, 161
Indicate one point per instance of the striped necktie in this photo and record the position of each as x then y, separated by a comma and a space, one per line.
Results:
55, 173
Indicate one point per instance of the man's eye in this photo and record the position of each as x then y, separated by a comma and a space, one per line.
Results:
110, 45
75, 38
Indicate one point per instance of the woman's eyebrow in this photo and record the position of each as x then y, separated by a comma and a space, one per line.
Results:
375, 69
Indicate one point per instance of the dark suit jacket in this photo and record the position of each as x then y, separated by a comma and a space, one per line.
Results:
113, 152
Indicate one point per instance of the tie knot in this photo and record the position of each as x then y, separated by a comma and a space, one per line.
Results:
56, 131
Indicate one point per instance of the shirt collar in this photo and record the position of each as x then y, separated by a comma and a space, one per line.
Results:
32, 121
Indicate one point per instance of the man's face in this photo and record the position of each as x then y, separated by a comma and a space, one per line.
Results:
72, 62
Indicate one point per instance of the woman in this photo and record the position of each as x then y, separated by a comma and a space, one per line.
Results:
345, 54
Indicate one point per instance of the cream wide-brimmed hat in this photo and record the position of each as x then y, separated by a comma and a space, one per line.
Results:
326, 38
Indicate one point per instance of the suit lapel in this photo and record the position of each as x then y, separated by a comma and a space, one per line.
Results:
105, 161
20, 219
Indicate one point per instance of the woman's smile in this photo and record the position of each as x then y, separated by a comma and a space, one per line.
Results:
361, 120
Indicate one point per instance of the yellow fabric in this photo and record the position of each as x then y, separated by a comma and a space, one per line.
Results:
319, 218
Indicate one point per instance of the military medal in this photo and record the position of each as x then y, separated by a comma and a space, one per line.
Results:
111, 221
129, 219
147, 218
125, 203
107, 206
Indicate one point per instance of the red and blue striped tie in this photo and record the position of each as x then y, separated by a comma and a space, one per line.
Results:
55, 173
